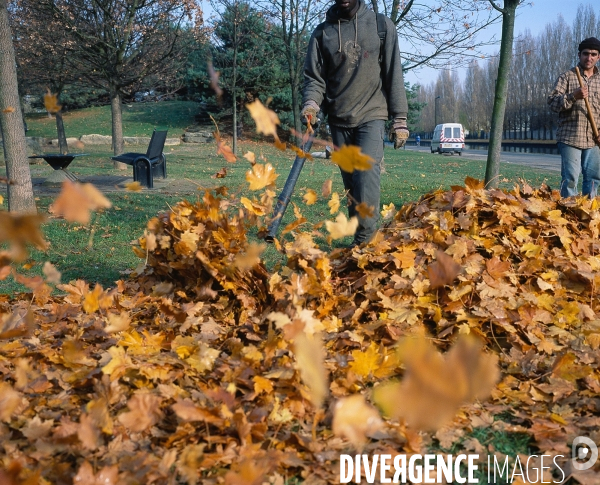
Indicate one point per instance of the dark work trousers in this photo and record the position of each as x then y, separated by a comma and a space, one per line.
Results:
363, 185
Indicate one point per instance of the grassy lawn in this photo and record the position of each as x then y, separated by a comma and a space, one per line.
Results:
100, 251
139, 119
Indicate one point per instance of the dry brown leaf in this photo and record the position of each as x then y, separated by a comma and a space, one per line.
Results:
77, 200
326, 188
443, 271
51, 102
20, 230
438, 383
144, 412
310, 361
354, 419
133, 186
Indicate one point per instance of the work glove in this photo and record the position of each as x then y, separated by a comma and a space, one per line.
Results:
399, 132
309, 111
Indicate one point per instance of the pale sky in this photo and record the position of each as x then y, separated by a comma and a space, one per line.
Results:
533, 18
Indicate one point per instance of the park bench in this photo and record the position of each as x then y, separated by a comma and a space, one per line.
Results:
147, 165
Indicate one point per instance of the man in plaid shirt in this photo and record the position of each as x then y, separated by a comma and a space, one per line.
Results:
578, 148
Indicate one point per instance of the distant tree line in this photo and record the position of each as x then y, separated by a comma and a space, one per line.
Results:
537, 63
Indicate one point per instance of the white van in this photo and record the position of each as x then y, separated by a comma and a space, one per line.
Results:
448, 138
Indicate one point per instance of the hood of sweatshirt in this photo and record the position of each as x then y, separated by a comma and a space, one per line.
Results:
333, 16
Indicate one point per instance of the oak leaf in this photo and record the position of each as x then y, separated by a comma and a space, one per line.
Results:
350, 158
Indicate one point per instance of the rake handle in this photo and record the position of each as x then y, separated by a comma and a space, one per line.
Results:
587, 106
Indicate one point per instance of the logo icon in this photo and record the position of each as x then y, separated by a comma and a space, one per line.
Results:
584, 453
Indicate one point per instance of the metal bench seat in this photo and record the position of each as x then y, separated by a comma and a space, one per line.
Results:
150, 164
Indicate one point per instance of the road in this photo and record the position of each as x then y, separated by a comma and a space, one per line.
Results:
533, 160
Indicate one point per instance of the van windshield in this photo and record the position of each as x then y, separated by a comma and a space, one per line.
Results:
448, 132
456, 132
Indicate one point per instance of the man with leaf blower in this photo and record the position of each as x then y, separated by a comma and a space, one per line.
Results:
576, 99
353, 72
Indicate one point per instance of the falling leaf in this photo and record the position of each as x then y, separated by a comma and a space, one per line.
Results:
310, 197
388, 211
77, 200
266, 120
326, 188
354, 419
223, 149
334, 203
342, 227
9, 401
213, 76
133, 186
51, 102
117, 322
250, 157
438, 383
51, 273
261, 176
19, 230
364, 210
443, 271
310, 357
10, 109
350, 158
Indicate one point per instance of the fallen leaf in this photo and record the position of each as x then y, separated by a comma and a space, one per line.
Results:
133, 186
443, 271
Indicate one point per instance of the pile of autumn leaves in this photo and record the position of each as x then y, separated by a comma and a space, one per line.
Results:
205, 368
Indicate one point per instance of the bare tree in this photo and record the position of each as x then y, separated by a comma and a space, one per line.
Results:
20, 190
440, 34
117, 44
508, 12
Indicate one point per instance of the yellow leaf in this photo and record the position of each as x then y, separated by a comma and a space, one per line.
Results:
260, 176
310, 361
253, 207
334, 203
366, 363
250, 157
354, 419
119, 363
10, 109
51, 102
266, 120
262, 384
531, 250
342, 227
350, 158
133, 186
310, 197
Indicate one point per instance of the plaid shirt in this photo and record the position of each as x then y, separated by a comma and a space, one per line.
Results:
574, 127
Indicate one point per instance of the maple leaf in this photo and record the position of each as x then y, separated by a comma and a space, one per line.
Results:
51, 102
443, 271
354, 419
388, 211
367, 362
266, 120
310, 197
334, 203
77, 200
251, 157
144, 412
342, 227
350, 158
19, 230
133, 186
310, 360
438, 383
365, 210
253, 207
260, 176
9, 401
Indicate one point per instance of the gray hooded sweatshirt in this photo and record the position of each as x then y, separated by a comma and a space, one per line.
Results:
342, 73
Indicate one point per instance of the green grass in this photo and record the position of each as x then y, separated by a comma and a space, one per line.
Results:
139, 119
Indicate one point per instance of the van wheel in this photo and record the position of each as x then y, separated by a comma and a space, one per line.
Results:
439, 151
459, 153
431, 149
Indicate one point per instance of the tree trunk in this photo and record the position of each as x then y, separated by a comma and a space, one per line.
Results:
118, 144
492, 170
20, 192
62, 138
